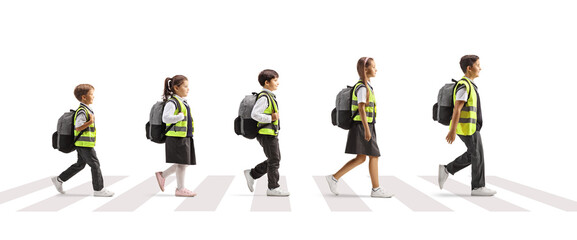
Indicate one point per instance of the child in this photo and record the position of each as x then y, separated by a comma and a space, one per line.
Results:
84, 119
179, 143
362, 138
265, 112
468, 111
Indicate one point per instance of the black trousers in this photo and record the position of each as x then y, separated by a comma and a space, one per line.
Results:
271, 164
474, 157
86, 155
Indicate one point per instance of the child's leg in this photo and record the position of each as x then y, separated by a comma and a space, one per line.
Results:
273, 154
350, 165
169, 171
478, 164
89, 156
464, 160
374, 170
180, 175
73, 169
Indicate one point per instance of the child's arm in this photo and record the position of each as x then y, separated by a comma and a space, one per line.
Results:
86, 124
456, 115
363, 115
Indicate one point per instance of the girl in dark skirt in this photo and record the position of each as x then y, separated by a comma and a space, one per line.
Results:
179, 144
362, 138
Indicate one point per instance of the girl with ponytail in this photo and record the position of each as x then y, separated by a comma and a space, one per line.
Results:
179, 143
362, 137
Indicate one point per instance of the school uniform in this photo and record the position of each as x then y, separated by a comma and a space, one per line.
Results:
86, 155
269, 143
474, 155
179, 150
356, 143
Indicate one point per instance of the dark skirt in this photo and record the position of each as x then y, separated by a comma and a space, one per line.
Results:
356, 143
180, 150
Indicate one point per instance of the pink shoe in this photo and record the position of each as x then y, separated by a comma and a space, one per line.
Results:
184, 193
160, 180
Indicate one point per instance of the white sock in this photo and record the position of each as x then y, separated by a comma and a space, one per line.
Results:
334, 179
376, 189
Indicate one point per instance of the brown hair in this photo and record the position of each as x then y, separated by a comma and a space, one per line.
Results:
169, 84
266, 75
82, 90
362, 66
468, 61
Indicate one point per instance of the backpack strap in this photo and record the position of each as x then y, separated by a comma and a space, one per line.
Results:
172, 100
456, 84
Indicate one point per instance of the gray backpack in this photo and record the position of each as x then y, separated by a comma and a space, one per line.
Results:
156, 129
443, 109
63, 139
244, 124
342, 116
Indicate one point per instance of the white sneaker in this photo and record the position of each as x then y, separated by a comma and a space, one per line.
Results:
103, 193
249, 180
277, 192
58, 185
332, 184
483, 191
381, 193
443, 175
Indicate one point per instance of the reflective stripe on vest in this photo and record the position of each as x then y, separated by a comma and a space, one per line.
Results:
467, 124
88, 137
370, 108
180, 128
268, 128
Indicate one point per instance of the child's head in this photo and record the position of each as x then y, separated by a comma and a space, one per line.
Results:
470, 65
366, 68
175, 85
84, 93
268, 78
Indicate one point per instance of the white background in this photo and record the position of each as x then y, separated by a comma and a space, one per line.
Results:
125, 49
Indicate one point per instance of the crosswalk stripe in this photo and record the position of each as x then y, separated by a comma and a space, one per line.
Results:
535, 194
72, 196
493, 203
134, 198
24, 190
210, 193
410, 196
347, 200
261, 202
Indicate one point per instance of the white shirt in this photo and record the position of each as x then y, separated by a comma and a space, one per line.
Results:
168, 113
362, 93
461, 94
258, 110
81, 117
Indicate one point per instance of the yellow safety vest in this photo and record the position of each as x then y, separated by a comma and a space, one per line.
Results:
467, 125
269, 128
180, 129
370, 108
88, 137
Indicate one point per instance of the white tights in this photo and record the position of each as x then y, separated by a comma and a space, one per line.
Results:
180, 170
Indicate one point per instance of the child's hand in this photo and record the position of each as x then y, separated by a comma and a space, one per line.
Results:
274, 116
451, 136
367, 134
91, 116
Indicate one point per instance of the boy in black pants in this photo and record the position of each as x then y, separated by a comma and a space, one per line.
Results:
84, 126
265, 112
466, 122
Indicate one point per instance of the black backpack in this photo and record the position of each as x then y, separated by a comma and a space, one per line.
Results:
342, 116
244, 124
63, 139
443, 109
156, 129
